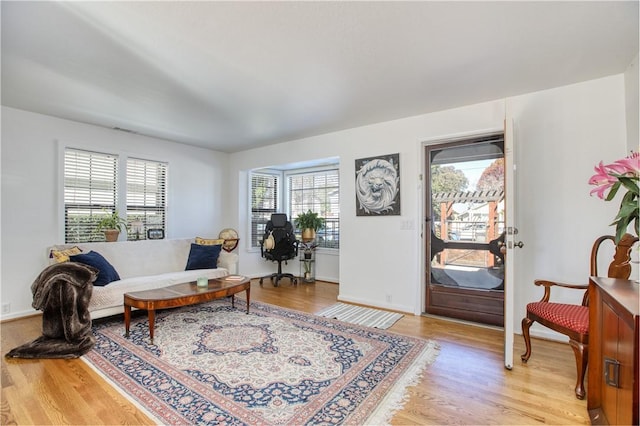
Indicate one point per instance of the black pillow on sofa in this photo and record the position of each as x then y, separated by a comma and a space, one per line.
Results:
107, 272
203, 257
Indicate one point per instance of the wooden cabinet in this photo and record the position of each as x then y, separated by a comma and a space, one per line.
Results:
612, 390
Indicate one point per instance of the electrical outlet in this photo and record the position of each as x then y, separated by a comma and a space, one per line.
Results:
388, 298
6, 308
407, 225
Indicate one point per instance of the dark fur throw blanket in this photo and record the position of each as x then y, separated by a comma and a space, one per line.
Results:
62, 292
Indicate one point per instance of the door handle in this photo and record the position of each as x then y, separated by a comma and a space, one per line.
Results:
510, 244
612, 372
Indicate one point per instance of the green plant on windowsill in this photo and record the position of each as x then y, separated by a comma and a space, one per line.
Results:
112, 224
309, 223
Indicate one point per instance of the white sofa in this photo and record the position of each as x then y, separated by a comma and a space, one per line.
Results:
144, 265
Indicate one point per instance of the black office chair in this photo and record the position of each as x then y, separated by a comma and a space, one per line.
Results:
279, 244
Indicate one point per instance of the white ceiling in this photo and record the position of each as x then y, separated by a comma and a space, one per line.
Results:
237, 75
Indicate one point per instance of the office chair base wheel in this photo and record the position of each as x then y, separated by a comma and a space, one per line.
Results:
275, 280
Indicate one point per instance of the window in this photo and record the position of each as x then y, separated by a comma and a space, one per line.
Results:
90, 191
315, 187
318, 191
146, 196
264, 202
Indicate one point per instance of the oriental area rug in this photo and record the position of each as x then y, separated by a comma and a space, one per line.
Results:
213, 364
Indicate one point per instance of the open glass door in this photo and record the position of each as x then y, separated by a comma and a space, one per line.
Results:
511, 241
465, 205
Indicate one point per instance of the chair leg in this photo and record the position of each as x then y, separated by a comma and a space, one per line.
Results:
581, 352
526, 325
278, 276
271, 277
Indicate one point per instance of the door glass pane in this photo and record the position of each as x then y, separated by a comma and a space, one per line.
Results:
467, 211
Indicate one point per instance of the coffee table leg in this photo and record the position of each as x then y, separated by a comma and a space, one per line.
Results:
233, 300
152, 319
127, 319
248, 297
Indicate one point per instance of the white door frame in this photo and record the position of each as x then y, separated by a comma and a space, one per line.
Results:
510, 240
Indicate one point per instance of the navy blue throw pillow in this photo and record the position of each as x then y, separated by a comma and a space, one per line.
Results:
203, 257
107, 272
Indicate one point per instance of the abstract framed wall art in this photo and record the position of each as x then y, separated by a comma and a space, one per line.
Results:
378, 186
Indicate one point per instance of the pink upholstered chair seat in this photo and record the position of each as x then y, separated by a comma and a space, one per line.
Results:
573, 317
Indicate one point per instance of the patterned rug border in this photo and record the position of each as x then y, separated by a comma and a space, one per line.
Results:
393, 400
123, 392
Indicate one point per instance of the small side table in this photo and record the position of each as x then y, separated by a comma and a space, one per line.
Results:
308, 267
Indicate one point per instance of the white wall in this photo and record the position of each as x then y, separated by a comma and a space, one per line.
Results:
560, 133
31, 193
631, 77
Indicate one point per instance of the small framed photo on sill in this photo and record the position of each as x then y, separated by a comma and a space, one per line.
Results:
155, 234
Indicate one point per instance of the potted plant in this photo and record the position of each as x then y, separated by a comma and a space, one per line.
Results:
307, 249
307, 260
112, 224
309, 223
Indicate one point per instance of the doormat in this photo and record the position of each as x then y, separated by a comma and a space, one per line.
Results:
368, 317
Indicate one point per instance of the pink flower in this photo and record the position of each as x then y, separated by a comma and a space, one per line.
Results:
628, 166
608, 180
602, 180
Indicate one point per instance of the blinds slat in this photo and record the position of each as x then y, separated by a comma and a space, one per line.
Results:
146, 196
90, 189
319, 192
264, 202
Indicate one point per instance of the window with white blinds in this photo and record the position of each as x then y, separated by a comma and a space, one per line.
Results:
264, 202
318, 191
146, 197
90, 192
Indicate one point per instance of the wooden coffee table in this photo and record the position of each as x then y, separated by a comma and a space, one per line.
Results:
182, 295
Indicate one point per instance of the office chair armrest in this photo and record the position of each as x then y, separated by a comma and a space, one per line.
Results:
548, 284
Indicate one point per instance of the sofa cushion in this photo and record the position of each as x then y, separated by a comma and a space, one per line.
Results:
140, 258
60, 256
203, 257
209, 241
107, 272
108, 300
147, 257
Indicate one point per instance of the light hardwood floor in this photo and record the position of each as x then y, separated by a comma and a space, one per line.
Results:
467, 383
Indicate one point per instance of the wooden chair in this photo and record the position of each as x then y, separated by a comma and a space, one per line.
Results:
573, 320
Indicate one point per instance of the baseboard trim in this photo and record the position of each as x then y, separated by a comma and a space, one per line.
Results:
19, 315
374, 304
